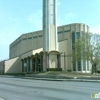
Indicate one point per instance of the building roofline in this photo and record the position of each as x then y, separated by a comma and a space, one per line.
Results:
42, 30
72, 24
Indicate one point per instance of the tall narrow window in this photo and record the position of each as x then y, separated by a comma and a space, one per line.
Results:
78, 62
79, 65
73, 40
87, 65
77, 35
84, 65
74, 66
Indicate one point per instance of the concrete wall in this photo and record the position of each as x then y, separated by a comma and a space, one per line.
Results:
34, 40
37, 51
74, 29
27, 54
31, 52
13, 65
29, 42
53, 61
60, 33
25, 43
32, 43
63, 50
65, 42
53, 43
15, 48
40, 39
69, 51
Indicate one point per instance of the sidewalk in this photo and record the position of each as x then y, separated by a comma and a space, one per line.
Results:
64, 77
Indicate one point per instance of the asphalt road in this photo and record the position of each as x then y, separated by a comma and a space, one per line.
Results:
14, 88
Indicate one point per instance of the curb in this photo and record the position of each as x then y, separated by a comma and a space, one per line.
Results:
62, 78
52, 79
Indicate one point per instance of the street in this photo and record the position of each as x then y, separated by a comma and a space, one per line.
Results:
19, 88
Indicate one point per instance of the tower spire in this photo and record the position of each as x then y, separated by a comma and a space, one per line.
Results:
49, 25
50, 38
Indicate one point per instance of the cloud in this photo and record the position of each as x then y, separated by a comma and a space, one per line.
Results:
66, 19
69, 16
13, 19
8, 36
95, 29
58, 2
36, 20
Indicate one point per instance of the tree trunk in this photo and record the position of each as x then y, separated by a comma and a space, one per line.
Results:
92, 69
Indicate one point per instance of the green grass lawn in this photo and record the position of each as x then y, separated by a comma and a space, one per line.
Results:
62, 73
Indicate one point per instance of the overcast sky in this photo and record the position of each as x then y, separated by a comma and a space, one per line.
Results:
23, 16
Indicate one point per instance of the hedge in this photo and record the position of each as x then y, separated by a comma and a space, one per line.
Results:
54, 69
98, 71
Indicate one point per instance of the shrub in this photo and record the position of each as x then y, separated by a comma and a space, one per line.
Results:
54, 69
98, 71
15, 74
69, 70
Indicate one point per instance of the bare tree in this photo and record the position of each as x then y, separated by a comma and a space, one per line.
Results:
87, 47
